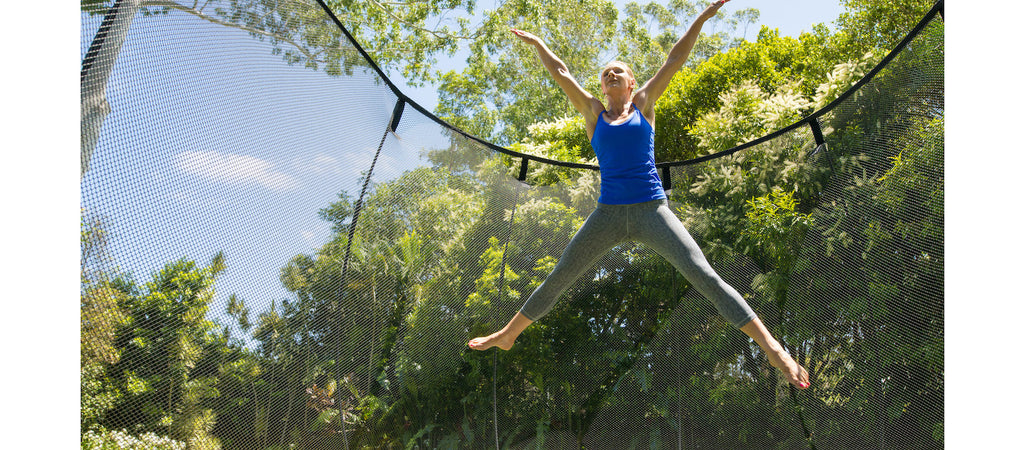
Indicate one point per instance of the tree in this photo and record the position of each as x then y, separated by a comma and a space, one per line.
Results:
772, 63
869, 266
868, 25
503, 88
160, 350
400, 35
102, 316
96, 68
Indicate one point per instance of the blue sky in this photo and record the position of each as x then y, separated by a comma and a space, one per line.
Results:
228, 154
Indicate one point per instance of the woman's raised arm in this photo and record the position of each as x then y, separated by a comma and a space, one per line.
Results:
646, 96
583, 101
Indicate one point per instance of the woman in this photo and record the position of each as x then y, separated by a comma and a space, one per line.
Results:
632, 204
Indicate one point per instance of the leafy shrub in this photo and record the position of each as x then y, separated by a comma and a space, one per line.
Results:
122, 440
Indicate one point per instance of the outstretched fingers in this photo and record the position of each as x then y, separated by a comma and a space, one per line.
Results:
712, 9
526, 36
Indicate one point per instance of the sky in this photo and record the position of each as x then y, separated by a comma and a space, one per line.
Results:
42, 194
237, 153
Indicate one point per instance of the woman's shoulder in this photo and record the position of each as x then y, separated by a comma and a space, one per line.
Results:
597, 108
595, 111
646, 111
643, 103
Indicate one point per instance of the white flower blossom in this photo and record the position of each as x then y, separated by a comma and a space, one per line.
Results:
843, 76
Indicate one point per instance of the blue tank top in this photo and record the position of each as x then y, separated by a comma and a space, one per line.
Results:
626, 160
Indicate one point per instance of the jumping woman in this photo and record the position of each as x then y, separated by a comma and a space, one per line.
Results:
632, 204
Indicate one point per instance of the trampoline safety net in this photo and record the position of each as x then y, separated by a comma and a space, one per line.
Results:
279, 250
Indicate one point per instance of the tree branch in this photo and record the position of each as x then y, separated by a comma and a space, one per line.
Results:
199, 13
414, 26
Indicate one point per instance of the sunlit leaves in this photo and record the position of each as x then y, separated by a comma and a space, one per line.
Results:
162, 346
407, 36
869, 24
776, 228
496, 96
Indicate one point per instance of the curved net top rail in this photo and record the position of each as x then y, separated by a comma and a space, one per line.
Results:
262, 268
810, 120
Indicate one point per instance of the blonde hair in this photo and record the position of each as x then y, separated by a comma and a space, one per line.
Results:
601, 75
625, 66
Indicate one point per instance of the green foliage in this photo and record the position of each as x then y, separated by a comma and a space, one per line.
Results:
407, 36
160, 349
646, 52
496, 95
867, 25
774, 237
102, 316
299, 36
718, 193
781, 188
748, 113
776, 228
899, 252
122, 440
562, 140
843, 76
98, 395
488, 286
776, 66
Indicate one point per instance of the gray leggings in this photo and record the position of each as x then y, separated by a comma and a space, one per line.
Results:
653, 224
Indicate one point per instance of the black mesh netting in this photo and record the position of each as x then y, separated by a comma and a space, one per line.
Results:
268, 264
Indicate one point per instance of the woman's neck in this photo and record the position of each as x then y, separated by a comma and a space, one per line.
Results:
619, 105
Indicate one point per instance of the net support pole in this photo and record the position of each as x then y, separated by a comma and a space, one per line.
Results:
396, 114
96, 68
667, 179
501, 289
392, 126
523, 170
820, 141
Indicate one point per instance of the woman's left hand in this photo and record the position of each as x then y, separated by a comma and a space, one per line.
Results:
709, 12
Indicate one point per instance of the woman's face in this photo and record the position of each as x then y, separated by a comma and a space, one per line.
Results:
616, 75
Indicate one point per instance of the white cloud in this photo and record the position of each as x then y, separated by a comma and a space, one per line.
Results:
315, 237
349, 165
322, 164
231, 168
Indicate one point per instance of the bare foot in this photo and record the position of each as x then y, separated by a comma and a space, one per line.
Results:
500, 339
794, 373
